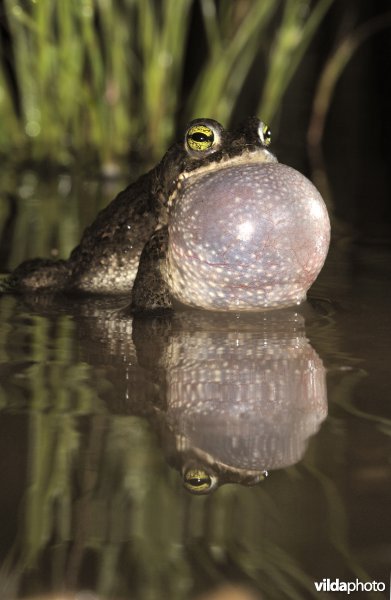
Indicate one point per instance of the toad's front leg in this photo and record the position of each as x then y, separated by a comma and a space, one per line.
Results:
150, 290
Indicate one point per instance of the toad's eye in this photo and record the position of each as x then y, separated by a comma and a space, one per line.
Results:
198, 481
200, 138
265, 135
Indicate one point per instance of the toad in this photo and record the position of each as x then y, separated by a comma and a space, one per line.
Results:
218, 224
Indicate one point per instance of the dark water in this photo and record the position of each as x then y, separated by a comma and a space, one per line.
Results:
101, 416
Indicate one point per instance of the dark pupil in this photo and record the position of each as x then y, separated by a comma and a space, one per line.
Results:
201, 137
196, 481
268, 134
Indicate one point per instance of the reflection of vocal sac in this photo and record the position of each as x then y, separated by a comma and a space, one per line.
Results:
244, 394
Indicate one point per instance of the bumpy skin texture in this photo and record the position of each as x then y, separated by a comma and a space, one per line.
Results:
227, 228
107, 258
246, 237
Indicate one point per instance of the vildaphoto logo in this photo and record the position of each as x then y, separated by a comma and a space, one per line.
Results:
336, 585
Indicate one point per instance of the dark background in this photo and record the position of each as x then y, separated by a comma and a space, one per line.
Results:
356, 143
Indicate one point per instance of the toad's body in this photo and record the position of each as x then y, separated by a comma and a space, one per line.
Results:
217, 224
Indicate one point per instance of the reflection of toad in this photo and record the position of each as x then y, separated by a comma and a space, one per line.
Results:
230, 395
242, 393
217, 224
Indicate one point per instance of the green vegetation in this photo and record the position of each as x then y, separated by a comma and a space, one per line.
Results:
94, 80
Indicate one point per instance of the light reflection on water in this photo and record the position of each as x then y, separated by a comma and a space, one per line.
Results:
238, 395
101, 415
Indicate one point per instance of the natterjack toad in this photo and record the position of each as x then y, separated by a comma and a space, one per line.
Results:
218, 224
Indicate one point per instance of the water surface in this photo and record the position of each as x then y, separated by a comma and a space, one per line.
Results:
101, 415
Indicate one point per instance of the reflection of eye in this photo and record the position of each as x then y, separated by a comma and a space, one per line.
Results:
265, 135
198, 481
200, 138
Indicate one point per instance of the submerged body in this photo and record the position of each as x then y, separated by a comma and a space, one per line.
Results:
218, 224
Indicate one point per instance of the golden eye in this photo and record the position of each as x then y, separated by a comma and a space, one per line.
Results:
198, 481
200, 138
265, 135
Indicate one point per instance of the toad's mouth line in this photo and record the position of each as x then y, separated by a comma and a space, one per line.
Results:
245, 158
248, 157
195, 453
